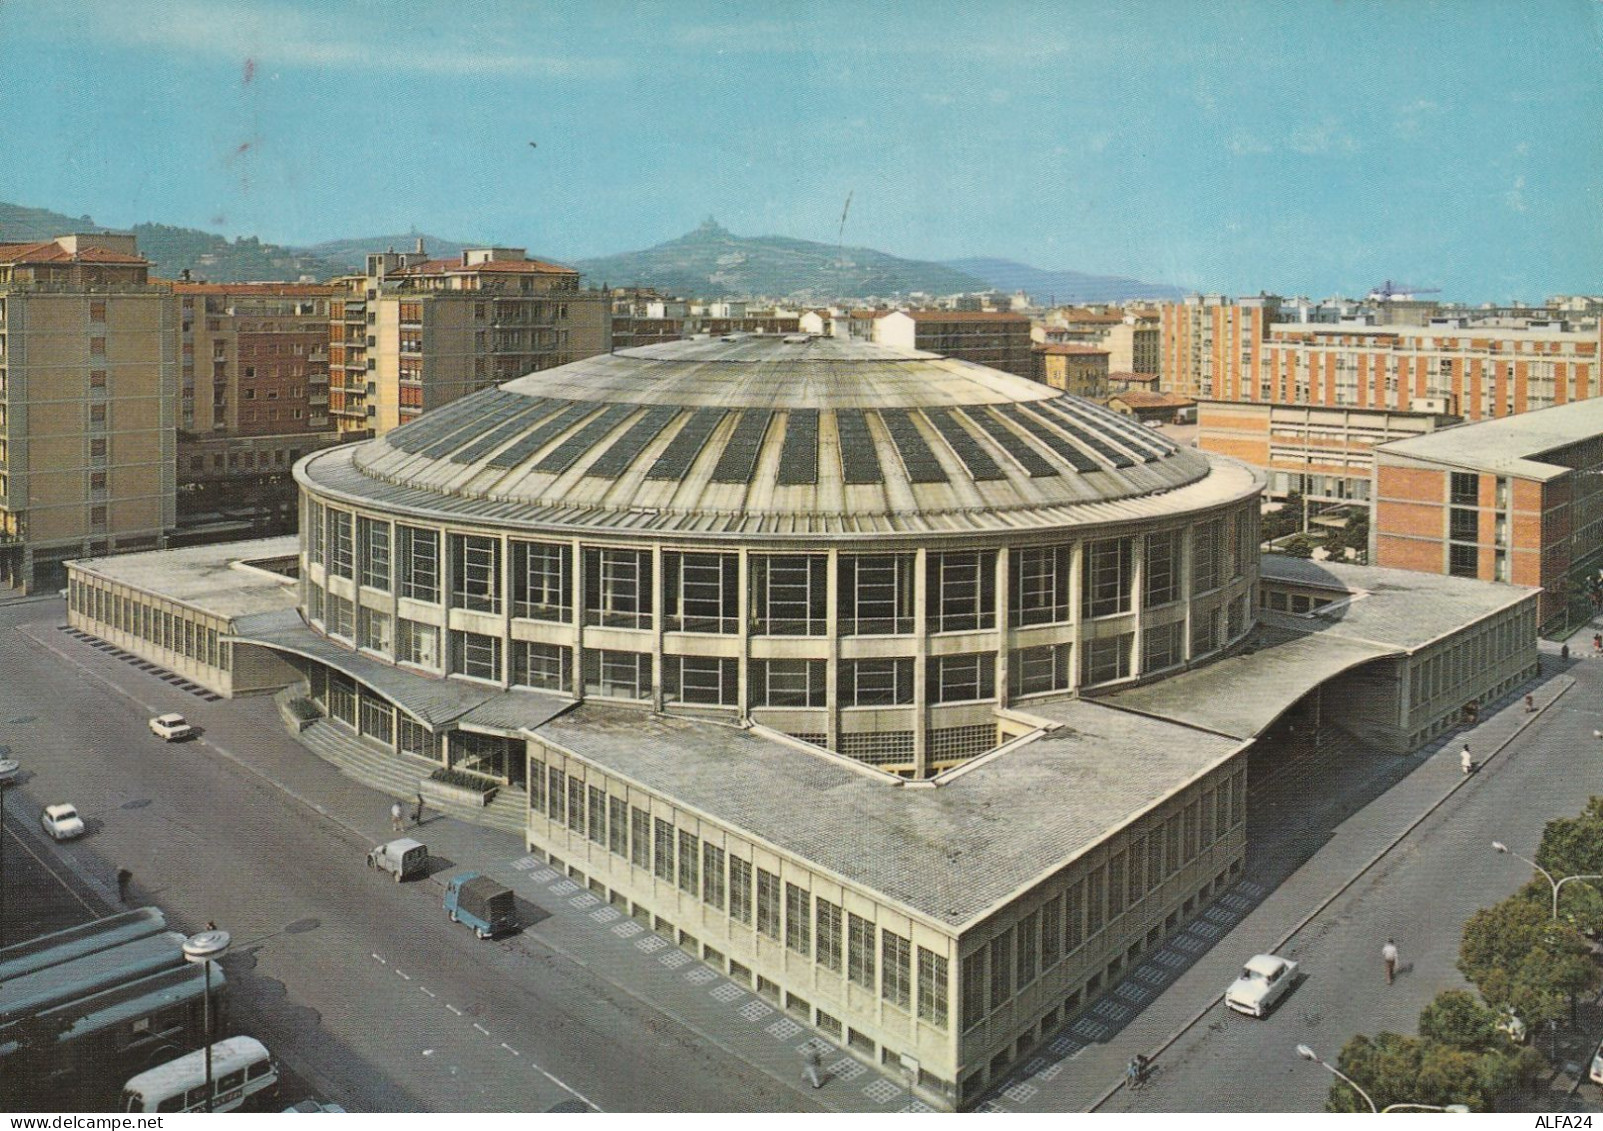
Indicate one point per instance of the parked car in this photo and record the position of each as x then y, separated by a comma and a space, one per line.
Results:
61, 821
9, 769
1264, 980
1596, 1074
314, 1106
480, 902
171, 728
404, 858
1510, 1025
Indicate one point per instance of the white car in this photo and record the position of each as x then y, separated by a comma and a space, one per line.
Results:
171, 727
1264, 980
61, 822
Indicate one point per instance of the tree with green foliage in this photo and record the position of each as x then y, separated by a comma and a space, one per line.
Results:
1573, 846
1286, 520
1298, 546
1356, 536
1518, 956
1456, 1018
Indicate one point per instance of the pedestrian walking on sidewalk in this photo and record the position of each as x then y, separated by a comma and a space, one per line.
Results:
1388, 955
1530, 704
1467, 760
124, 878
397, 822
417, 813
813, 1071
1597, 644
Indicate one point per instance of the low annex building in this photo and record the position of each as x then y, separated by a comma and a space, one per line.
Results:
875, 679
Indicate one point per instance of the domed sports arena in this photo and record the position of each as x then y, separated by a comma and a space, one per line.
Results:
871, 551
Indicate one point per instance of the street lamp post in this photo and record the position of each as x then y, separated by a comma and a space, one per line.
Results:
204, 948
1556, 884
1309, 1054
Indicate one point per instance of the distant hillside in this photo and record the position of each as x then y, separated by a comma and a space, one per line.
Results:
351, 254
1060, 286
711, 262
21, 224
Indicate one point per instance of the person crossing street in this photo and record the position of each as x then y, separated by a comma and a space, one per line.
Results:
1388, 955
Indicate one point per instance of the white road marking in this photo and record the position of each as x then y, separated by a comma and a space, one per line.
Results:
408, 977
428, 991
481, 1028
453, 1009
571, 1091
377, 959
510, 1049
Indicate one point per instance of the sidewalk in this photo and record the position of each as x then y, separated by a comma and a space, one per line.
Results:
565, 918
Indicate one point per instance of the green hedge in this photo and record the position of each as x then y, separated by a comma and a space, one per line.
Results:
465, 779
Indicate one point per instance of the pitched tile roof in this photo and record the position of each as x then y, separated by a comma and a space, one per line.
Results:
50, 251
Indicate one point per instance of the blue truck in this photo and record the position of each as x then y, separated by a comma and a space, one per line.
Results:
480, 902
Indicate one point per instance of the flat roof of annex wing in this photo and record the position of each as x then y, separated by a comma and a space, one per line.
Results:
223, 580
950, 855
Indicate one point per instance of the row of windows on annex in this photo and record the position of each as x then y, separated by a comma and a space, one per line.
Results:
789, 593
171, 628
1448, 674
906, 976
1071, 920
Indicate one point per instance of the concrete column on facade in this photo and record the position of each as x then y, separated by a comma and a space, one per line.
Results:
832, 634
1138, 603
1076, 622
1004, 650
1187, 534
657, 604
503, 549
743, 627
921, 640
576, 613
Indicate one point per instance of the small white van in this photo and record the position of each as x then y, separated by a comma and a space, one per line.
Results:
241, 1068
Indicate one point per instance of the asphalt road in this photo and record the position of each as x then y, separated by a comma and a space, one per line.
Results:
1421, 893
362, 987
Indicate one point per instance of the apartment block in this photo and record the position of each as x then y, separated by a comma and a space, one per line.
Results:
1078, 369
1517, 500
88, 396
999, 340
1131, 335
641, 317
413, 333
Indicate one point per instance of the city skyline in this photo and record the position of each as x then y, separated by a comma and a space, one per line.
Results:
1318, 150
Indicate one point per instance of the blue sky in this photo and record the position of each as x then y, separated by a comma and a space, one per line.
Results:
1312, 147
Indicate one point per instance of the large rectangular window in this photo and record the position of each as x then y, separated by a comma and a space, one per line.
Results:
876, 594
1161, 579
932, 991
617, 588
1032, 671
558, 791
618, 826
417, 643
1051, 932
740, 890
598, 815
798, 919
767, 903
789, 594
542, 583
1162, 646
373, 548
1001, 969
373, 630
860, 950
689, 862
896, 969
712, 875
961, 591
476, 655
341, 547
876, 683
1108, 659
962, 679
701, 592
476, 573
315, 532
548, 667
1109, 573
617, 675
639, 837
973, 988
663, 849
1207, 556
788, 683
1039, 585
828, 920
418, 554
708, 680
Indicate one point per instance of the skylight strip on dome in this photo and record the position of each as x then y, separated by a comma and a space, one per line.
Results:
798, 459
1084, 435
1054, 440
1035, 465
1142, 439
682, 450
920, 462
536, 437
478, 423
858, 457
739, 458
978, 461
433, 427
567, 453
626, 448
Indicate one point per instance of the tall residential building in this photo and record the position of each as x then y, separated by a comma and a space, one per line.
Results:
1208, 342
999, 340
1517, 500
88, 396
253, 384
1131, 335
413, 333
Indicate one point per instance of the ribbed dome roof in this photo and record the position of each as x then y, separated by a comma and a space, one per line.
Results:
763, 435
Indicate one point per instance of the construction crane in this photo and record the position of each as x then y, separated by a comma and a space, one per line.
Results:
1402, 292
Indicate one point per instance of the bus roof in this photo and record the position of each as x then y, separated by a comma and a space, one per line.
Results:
75, 942
227, 1055
69, 981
